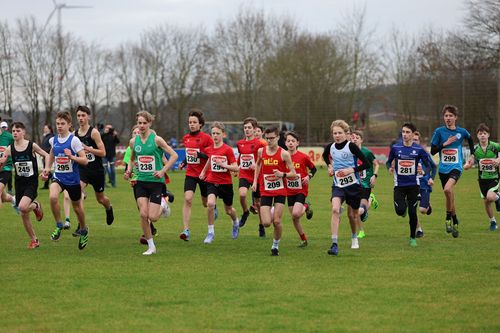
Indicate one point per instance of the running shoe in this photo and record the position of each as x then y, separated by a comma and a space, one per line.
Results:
262, 231
209, 239
413, 242
149, 252
497, 204
429, 210
216, 213
165, 208
447, 224
236, 230
38, 211
33, 244
170, 196
275, 252
185, 235
67, 224
56, 234
334, 250
14, 205
303, 243
77, 232
374, 201
253, 210
109, 216
354, 243
454, 232
309, 211
420, 233
143, 240
364, 216
493, 226
84, 238
243, 219
361, 234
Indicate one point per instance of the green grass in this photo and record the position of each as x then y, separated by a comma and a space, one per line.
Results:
443, 285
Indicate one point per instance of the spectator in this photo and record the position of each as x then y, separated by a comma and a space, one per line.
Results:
110, 139
48, 133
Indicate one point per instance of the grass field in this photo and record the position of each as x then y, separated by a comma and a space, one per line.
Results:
443, 285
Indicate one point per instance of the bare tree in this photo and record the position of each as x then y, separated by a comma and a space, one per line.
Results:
7, 68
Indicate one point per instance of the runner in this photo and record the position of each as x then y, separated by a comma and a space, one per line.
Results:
486, 156
406, 157
23, 156
217, 174
6, 140
272, 163
447, 141
298, 187
147, 152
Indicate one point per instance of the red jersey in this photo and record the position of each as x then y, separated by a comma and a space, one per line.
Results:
194, 144
270, 185
247, 150
215, 173
301, 162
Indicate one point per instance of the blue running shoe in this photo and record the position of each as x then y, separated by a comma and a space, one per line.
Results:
236, 230
334, 250
497, 204
209, 239
493, 226
216, 213
184, 235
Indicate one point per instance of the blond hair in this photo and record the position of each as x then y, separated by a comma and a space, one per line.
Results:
146, 115
219, 125
340, 123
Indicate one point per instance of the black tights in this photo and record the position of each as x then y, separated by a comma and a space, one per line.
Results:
406, 198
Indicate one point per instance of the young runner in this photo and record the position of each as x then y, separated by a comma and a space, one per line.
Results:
368, 180
447, 141
344, 156
93, 172
147, 152
406, 157
298, 187
25, 163
196, 143
255, 207
67, 152
217, 175
486, 156
247, 149
6, 140
424, 174
272, 163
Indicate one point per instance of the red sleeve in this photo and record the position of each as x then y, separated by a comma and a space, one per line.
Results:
230, 155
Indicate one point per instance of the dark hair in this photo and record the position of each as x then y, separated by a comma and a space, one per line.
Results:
18, 124
49, 126
417, 133
358, 133
482, 128
83, 108
250, 120
198, 114
65, 115
450, 108
292, 133
412, 127
260, 126
272, 129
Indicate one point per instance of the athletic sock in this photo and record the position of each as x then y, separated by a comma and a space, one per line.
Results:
493, 219
334, 238
151, 243
276, 243
419, 229
455, 220
236, 222
353, 235
211, 229
59, 225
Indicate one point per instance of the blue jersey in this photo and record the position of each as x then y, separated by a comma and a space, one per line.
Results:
65, 169
450, 157
406, 160
342, 159
429, 172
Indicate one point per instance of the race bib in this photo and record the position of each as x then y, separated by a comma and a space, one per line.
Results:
449, 156
24, 169
90, 157
272, 183
246, 161
294, 184
146, 163
362, 174
2, 151
192, 156
486, 165
63, 164
406, 167
214, 160
346, 180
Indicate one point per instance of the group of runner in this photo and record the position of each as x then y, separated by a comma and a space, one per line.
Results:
275, 175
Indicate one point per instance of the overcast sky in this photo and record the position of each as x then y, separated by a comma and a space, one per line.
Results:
111, 22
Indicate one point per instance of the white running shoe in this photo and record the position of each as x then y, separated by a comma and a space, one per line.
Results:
209, 239
149, 252
354, 243
165, 208
66, 225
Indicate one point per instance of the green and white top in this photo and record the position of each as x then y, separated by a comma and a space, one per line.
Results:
484, 159
148, 157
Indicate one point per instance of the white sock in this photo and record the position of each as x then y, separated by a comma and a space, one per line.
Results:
276, 243
419, 229
493, 219
211, 229
236, 222
151, 243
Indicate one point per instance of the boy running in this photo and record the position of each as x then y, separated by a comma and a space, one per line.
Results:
217, 175
6, 140
447, 141
67, 152
486, 156
272, 163
25, 163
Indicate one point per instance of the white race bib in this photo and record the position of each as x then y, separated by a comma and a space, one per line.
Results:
63, 164
272, 183
346, 180
214, 159
246, 161
294, 184
192, 156
2, 151
24, 169
90, 157
362, 174
486, 165
406, 167
449, 156
146, 163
